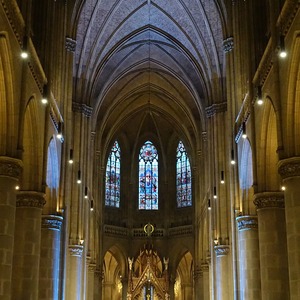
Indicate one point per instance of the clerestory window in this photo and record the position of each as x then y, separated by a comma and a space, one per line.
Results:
148, 177
183, 177
112, 178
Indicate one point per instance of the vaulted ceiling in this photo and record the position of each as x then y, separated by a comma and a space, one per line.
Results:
152, 64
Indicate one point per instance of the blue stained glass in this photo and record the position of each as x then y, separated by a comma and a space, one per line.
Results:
112, 178
148, 177
183, 177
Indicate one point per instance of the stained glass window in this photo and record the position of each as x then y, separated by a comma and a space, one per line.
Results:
183, 177
148, 177
112, 178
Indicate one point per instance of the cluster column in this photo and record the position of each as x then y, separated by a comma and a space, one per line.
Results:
74, 278
272, 245
10, 171
205, 279
50, 257
26, 259
289, 169
249, 266
222, 267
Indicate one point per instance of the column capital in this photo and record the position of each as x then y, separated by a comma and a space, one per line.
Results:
198, 272
221, 250
52, 222
269, 200
30, 199
205, 267
10, 167
247, 223
70, 44
289, 167
228, 44
76, 250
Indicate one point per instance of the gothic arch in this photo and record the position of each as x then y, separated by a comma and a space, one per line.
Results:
7, 109
52, 176
292, 141
32, 148
267, 144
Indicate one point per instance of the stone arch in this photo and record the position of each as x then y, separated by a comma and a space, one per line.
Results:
292, 143
246, 176
52, 176
32, 148
183, 288
267, 144
7, 115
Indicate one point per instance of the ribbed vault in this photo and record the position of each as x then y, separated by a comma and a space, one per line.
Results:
134, 57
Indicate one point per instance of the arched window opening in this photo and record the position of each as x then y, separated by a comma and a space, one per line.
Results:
148, 177
112, 179
183, 177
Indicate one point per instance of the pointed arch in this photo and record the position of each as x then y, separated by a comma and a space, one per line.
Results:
148, 177
183, 177
113, 177
32, 146
7, 120
52, 175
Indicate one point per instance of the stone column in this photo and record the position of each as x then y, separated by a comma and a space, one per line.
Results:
289, 169
10, 171
26, 259
249, 267
222, 272
91, 281
124, 288
205, 281
74, 273
198, 283
272, 245
50, 257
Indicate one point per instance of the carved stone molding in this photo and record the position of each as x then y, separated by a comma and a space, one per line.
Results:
70, 44
10, 167
15, 18
289, 167
247, 223
215, 109
99, 273
221, 250
76, 250
205, 267
269, 200
30, 199
52, 222
198, 273
208, 259
92, 267
228, 44
82, 108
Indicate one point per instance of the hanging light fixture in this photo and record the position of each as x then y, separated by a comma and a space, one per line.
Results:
44, 99
282, 51
86, 193
215, 193
260, 100
24, 51
92, 205
59, 131
71, 156
222, 177
208, 205
79, 177
232, 157
244, 134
